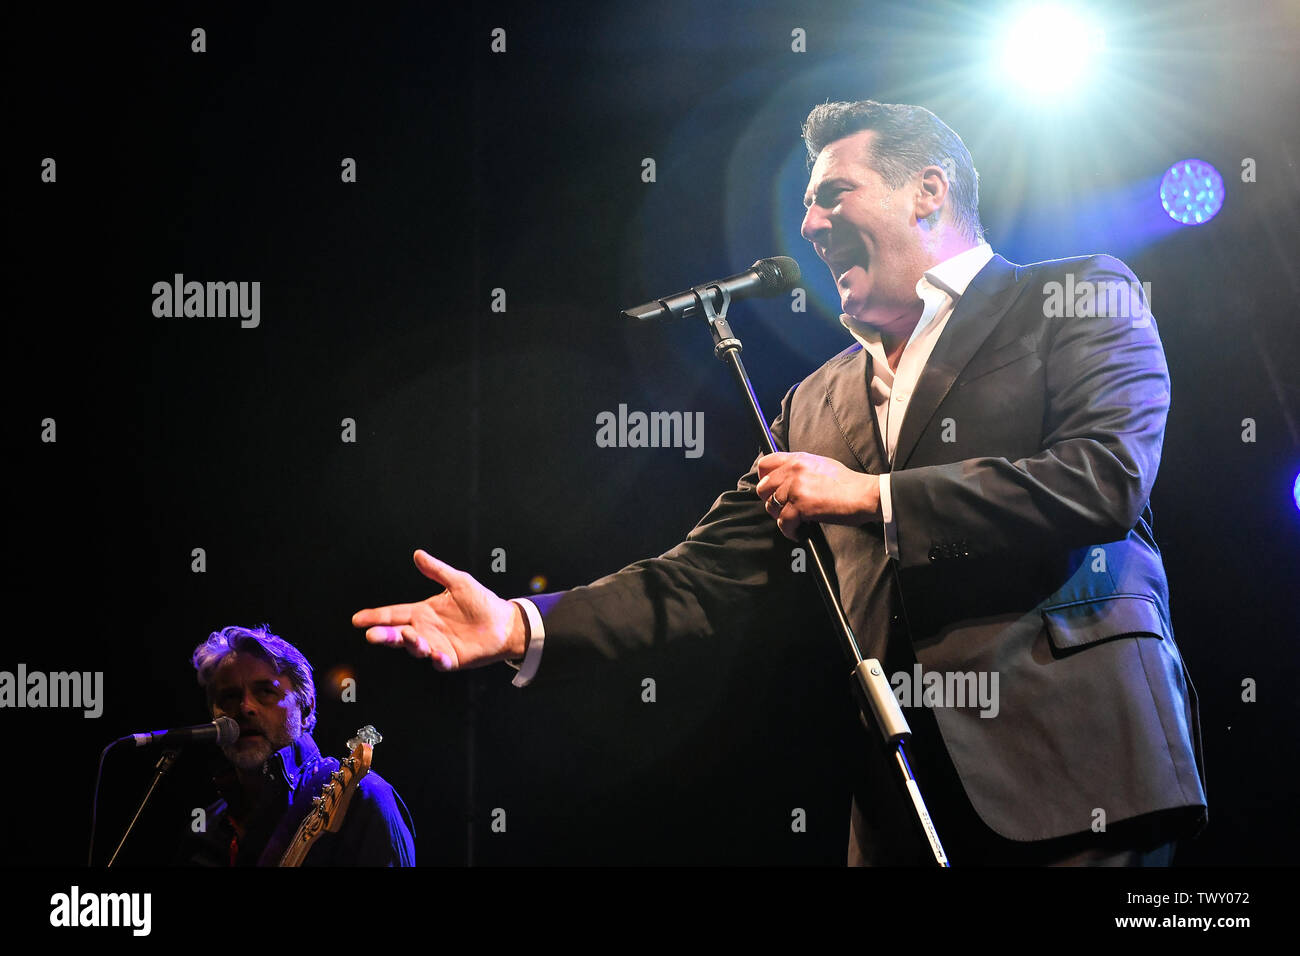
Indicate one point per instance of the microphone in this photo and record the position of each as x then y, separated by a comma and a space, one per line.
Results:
221, 731
766, 277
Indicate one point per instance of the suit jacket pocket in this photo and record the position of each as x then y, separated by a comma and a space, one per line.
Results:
1072, 627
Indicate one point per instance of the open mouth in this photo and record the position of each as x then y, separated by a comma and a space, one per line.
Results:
842, 263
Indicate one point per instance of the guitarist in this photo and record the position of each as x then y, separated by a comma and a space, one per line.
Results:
274, 769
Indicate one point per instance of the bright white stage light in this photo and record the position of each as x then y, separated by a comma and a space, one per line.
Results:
1047, 49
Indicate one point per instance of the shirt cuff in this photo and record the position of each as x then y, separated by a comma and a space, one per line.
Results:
532, 659
887, 517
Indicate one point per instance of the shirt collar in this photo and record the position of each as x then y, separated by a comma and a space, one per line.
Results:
287, 765
951, 277
294, 760
955, 274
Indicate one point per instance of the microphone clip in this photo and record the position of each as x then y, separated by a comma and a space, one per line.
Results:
723, 339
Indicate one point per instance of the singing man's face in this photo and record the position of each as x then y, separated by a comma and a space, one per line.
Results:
248, 690
866, 233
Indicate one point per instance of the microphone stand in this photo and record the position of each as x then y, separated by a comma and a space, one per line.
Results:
164, 764
871, 688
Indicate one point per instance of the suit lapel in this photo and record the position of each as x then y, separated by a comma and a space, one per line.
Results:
848, 392
987, 298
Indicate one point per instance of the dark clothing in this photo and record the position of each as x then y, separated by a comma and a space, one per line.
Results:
376, 831
1019, 489
883, 830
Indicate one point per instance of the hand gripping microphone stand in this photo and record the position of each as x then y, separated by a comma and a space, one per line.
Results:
871, 688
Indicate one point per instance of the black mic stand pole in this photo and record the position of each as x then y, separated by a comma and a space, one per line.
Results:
164, 764
871, 687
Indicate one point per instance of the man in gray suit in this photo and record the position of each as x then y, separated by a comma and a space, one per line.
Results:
981, 460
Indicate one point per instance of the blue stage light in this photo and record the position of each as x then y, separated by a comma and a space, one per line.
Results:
1295, 490
1192, 192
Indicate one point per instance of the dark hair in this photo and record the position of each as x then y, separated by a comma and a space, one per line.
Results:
260, 642
908, 138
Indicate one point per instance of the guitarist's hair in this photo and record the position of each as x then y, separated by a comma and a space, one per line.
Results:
260, 642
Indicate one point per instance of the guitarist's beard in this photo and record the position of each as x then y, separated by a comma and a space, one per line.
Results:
252, 750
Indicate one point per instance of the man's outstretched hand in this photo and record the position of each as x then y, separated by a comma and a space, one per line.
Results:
465, 626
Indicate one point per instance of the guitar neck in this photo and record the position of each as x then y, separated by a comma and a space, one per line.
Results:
329, 808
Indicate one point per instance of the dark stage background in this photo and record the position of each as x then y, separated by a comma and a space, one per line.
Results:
475, 429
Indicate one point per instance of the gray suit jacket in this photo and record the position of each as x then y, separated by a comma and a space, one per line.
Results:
1020, 487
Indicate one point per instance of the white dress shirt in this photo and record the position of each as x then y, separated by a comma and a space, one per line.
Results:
891, 390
